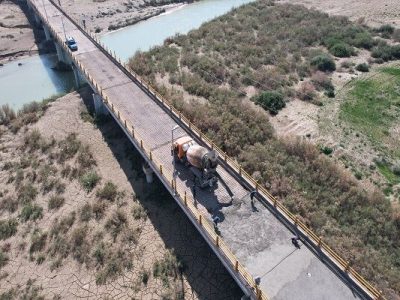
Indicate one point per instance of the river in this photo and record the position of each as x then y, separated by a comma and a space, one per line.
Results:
33, 78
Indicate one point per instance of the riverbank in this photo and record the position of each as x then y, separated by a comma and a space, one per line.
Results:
20, 37
83, 222
370, 12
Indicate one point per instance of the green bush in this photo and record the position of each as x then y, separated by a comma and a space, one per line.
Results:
108, 192
362, 67
342, 50
8, 228
326, 150
31, 212
383, 51
89, 180
271, 101
86, 212
323, 63
386, 31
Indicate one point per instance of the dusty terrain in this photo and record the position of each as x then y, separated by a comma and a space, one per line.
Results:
152, 235
16, 35
103, 16
19, 35
372, 12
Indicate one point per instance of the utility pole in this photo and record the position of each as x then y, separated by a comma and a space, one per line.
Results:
62, 21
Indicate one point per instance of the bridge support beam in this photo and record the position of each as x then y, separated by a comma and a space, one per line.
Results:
77, 76
148, 171
60, 53
98, 104
47, 33
37, 19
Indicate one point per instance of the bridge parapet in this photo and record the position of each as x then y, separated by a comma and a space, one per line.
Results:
187, 202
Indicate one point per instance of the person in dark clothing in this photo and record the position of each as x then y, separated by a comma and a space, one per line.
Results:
295, 241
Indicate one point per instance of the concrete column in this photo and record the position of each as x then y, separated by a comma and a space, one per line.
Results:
37, 19
77, 77
60, 53
99, 107
47, 33
148, 171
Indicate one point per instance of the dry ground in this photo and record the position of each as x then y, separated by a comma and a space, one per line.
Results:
373, 12
16, 34
160, 229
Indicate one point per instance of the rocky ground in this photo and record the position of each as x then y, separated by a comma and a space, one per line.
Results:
77, 218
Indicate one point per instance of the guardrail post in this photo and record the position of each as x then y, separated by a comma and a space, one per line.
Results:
185, 199
347, 267
201, 135
240, 170
257, 184
200, 219
319, 241
217, 241
133, 132
236, 266
161, 170
296, 220
225, 157
275, 202
141, 144
151, 156
125, 123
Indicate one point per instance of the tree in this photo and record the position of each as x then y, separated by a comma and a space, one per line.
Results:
271, 101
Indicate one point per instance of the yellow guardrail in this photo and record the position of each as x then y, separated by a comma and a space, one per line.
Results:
188, 201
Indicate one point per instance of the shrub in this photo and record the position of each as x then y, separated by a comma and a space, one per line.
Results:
326, 150
38, 242
55, 202
69, 147
321, 81
115, 265
306, 91
395, 50
62, 226
362, 67
138, 212
100, 254
99, 209
7, 114
33, 140
116, 223
3, 259
396, 169
323, 63
86, 212
31, 212
89, 180
271, 101
386, 31
342, 50
8, 228
79, 245
85, 158
9, 204
108, 192
382, 51
168, 266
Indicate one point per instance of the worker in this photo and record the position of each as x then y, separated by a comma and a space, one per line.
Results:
295, 241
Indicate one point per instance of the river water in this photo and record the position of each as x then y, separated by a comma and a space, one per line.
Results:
33, 78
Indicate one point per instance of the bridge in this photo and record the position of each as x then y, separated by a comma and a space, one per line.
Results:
253, 239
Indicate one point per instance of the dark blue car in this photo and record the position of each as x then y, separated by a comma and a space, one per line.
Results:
71, 44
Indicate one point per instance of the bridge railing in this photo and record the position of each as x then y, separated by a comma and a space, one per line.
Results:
292, 219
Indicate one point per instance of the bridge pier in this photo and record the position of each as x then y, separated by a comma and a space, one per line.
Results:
47, 33
99, 107
60, 53
148, 171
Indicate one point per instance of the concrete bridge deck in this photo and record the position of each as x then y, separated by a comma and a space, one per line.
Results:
257, 237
